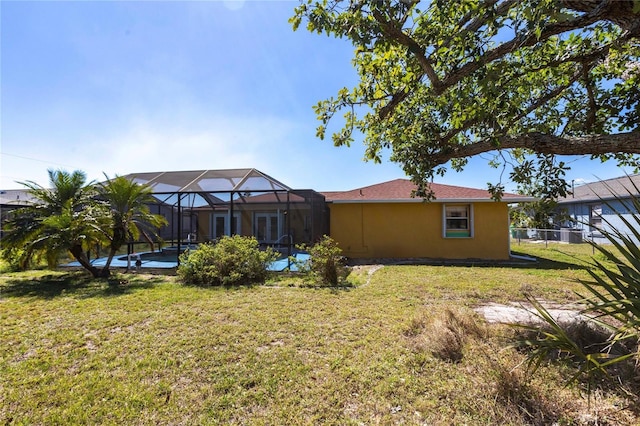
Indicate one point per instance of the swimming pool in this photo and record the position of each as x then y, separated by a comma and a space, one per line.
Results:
167, 259
150, 259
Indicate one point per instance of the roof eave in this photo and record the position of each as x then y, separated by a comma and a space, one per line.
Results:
591, 200
437, 200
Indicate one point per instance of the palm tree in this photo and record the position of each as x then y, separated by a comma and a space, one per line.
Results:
130, 217
65, 217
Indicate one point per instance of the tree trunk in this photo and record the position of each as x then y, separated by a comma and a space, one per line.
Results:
105, 273
78, 253
621, 12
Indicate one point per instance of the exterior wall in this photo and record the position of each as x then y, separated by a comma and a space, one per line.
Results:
397, 230
581, 215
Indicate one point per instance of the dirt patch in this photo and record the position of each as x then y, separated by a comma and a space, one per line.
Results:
524, 313
370, 269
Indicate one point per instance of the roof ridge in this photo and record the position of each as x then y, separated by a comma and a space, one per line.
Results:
607, 180
408, 181
378, 184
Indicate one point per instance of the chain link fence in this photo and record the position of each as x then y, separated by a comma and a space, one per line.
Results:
564, 235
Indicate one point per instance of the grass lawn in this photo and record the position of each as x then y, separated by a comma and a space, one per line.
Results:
151, 351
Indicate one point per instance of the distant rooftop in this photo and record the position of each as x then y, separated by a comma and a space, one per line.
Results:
604, 189
401, 190
15, 197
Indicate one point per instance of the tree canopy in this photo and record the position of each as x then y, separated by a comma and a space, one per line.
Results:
130, 216
525, 81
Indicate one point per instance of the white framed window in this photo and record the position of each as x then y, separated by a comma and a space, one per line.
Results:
220, 224
457, 220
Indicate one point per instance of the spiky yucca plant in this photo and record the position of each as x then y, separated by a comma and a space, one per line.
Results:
613, 294
612, 300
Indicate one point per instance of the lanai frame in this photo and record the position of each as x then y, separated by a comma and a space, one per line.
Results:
186, 198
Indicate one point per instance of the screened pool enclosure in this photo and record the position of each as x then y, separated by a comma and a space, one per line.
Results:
204, 205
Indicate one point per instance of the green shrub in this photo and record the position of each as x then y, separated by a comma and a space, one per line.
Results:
326, 266
235, 260
18, 259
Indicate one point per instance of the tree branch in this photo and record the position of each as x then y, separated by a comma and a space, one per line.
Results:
620, 12
396, 99
586, 58
532, 107
440, 85
547, 144
508, 47
593, 107
477, 23
398, 35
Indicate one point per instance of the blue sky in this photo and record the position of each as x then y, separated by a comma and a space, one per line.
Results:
117, 87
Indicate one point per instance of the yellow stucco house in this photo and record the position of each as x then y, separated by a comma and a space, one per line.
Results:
384, 221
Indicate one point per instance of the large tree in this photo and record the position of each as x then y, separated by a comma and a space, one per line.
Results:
526, 81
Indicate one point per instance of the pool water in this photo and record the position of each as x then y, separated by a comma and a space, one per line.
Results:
168, 259
283, 263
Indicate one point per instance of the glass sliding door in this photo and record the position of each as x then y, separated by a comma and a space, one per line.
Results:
267, 227
220, 225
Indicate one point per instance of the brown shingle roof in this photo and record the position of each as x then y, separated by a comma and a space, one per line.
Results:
401, 189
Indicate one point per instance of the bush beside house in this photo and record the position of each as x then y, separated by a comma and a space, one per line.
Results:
234, 260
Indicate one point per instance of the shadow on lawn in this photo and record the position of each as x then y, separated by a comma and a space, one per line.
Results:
546, 263
74, 284
536, 263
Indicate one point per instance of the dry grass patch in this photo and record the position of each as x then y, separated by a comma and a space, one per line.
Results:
444, 332
482, 380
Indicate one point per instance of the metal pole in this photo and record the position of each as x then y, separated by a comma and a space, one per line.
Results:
231, 230
288, 219
179, 228
546, 238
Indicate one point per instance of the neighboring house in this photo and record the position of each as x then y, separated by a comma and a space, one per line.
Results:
594, 206
385, 221
11, 199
